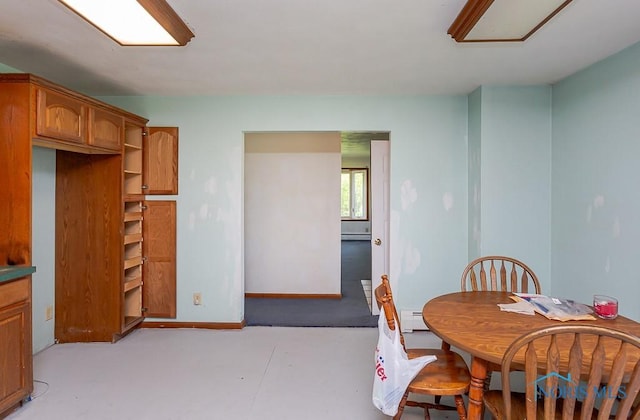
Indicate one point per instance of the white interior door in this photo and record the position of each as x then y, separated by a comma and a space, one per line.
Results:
379, 215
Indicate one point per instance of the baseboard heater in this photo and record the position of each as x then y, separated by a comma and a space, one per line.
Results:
355, 236
412, 321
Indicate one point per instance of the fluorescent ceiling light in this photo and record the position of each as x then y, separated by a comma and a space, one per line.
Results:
134, 22
503, 20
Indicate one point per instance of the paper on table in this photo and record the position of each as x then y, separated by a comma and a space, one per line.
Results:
555, 308
521, 307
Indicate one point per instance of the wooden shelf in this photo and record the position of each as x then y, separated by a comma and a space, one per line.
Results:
133, 216
130, 284
132, 262
132, 238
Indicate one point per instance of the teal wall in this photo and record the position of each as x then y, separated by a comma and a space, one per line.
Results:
43, 255
516, 175
543, 174
474, 192
596, 182
6, 69
428, 186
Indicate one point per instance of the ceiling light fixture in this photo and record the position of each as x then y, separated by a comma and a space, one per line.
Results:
502, 20
134, 22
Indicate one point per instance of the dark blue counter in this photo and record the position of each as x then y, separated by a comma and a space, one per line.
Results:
12, 272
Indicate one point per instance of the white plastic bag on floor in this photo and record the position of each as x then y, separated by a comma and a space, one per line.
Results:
393, 369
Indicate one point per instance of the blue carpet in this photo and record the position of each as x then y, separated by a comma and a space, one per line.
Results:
350, 311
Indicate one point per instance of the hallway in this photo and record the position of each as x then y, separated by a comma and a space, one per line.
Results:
350, 311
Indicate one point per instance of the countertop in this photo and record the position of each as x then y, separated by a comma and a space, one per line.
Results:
12, 272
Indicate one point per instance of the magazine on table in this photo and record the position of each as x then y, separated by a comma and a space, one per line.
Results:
556, 308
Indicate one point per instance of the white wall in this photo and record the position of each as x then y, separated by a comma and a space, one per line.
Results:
292, 213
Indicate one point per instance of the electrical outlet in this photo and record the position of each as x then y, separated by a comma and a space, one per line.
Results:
197, 298
48, 313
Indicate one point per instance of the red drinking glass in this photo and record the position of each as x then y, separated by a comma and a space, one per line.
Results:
605, 307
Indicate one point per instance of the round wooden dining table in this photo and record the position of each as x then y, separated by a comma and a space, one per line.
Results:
474, 323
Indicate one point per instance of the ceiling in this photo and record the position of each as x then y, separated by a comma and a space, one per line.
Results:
357, 144
362, 47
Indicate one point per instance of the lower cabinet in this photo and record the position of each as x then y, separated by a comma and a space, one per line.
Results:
16, 378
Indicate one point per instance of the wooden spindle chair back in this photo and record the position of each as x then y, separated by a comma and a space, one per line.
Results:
499, 273
554, 390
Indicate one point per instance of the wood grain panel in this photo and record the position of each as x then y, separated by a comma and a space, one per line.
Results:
61, 117
16, 378
159, 248
11, 352
88, 247
15, 173
161, 160
106, 129
14, 291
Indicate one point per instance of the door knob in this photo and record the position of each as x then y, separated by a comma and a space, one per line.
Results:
377, 242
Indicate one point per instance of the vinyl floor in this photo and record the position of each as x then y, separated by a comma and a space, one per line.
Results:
264, 373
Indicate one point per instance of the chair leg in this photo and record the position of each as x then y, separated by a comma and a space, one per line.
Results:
426, 414
462, 411
403, 401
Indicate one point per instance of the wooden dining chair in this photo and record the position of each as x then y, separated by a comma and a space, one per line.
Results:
555, 390
448, 375
499, 273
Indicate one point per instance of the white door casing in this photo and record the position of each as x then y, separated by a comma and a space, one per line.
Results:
379, 215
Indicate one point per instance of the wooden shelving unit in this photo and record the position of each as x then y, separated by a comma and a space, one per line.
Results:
133, 158
133, 259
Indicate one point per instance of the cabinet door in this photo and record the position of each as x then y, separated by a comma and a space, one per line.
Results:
159, 249
60, 117
161, 161
15, 343
105, 129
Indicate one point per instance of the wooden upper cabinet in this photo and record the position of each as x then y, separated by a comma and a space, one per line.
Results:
76, 124
105, 129
161, 161
60, 116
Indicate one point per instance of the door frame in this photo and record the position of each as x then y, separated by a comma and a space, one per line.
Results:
380, 209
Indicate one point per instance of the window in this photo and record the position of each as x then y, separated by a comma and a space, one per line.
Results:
353, 195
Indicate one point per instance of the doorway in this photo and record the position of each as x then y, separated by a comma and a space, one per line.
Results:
295, 305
